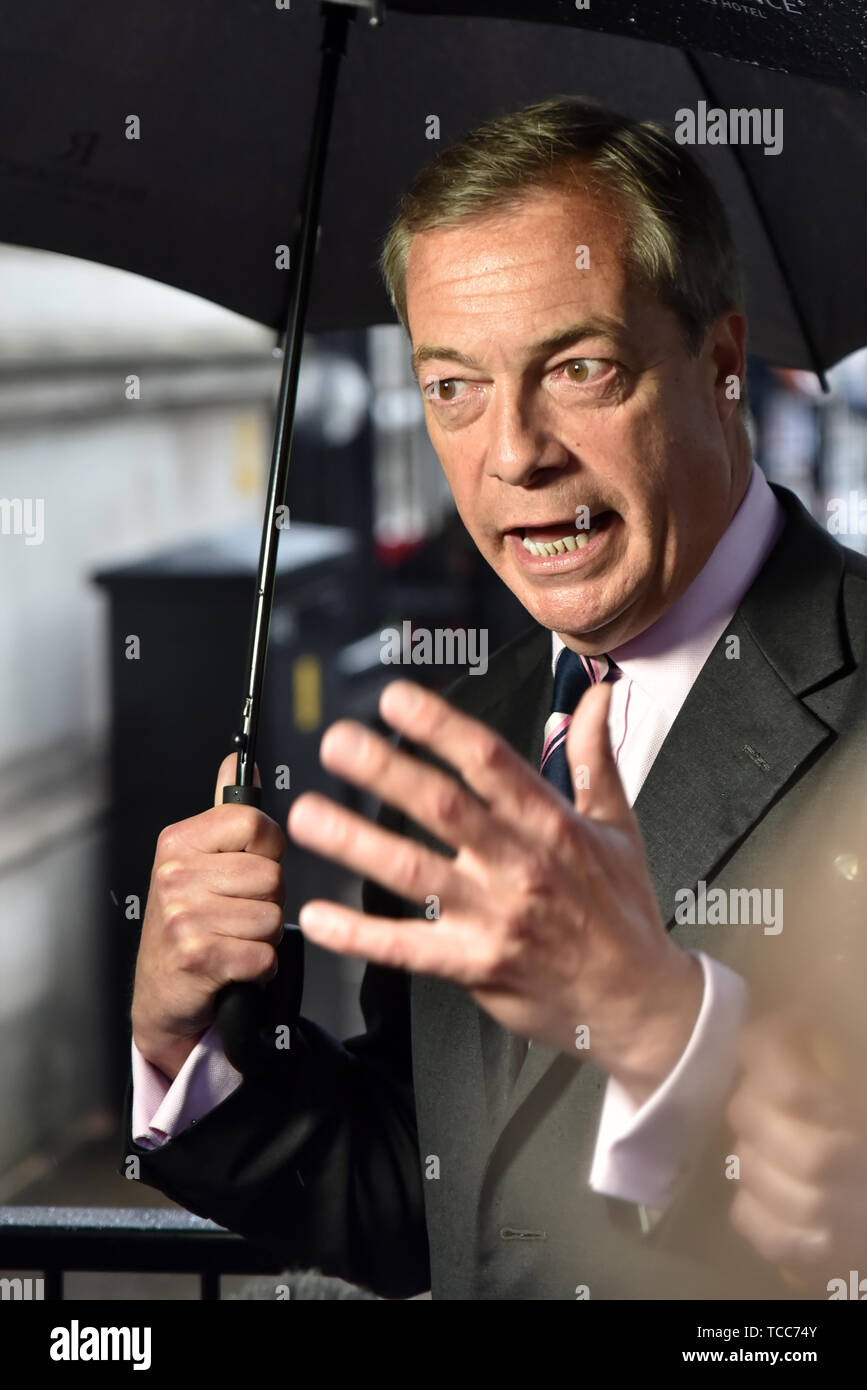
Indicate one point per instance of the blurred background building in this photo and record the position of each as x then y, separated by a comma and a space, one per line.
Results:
134, 438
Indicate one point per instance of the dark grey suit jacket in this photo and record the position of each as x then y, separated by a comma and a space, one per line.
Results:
405, 1158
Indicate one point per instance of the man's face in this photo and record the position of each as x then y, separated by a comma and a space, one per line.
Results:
551, 389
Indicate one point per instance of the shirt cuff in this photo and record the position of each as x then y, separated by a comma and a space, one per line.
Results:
642, 1150
161, 1109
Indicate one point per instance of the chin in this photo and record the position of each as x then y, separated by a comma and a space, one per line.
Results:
562, 617
612, 621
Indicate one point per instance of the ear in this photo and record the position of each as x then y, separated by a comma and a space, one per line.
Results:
726, 344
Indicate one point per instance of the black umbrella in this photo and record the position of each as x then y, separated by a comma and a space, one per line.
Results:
225, 93
174, 143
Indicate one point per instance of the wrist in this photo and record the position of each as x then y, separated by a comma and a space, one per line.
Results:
167, 1052
662, 1023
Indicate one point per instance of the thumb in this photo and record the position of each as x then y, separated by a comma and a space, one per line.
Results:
227, 774
598, 789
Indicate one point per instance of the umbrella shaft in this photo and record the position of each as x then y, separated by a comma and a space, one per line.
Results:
335, 25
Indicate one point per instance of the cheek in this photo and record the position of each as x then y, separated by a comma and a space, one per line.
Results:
463, 495
466, 482
631, 458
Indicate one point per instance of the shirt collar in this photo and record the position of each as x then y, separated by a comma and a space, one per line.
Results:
666, 658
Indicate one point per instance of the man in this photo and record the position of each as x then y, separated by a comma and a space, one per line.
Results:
536, 1108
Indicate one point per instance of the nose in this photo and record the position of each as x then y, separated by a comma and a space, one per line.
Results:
522, 442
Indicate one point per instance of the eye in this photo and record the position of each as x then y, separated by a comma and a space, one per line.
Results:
443, 388
580, 370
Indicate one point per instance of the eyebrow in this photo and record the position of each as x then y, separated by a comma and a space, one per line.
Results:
603, 325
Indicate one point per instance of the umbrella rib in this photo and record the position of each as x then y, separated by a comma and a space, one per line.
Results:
803, 325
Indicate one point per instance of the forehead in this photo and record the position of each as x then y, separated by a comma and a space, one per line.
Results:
520, 263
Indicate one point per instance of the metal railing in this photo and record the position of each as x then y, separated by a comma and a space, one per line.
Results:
143, 1240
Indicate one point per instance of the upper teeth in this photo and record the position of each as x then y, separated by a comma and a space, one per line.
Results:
571, 542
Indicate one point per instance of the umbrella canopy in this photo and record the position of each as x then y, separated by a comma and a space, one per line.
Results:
224, 95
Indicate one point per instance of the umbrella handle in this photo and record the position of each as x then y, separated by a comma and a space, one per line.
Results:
247, 1014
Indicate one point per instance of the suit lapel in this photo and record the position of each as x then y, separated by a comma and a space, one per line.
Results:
739, 740
737, 743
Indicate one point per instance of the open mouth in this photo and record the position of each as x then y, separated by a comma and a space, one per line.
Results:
562, 536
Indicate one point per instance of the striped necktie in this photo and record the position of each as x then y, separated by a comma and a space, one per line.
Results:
572, 676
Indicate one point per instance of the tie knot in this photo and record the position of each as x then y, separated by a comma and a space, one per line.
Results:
574, 674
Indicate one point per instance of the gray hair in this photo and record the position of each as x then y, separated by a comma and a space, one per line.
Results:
679, 241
